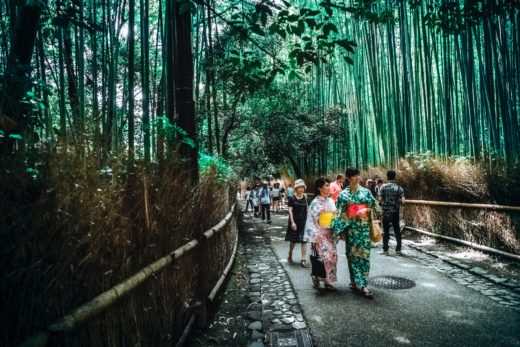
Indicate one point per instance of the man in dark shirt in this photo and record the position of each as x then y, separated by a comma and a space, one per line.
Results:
390, 195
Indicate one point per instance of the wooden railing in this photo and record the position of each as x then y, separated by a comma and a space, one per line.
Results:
515, 257
464, 205
109, 297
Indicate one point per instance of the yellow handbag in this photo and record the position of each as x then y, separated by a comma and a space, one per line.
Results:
326, 219
375, 231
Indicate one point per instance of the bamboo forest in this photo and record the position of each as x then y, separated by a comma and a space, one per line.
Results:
135, 134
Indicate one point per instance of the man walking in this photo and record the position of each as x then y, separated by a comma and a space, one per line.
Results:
391, 195
336, 187
265, 202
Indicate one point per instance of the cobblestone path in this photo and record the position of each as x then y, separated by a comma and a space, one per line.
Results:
275, 314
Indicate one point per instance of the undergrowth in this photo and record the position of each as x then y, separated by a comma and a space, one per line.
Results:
424, 177
72, 231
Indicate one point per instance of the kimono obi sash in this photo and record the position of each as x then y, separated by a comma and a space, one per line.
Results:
353, 209
326, 219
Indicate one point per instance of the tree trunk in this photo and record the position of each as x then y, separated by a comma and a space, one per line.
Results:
17, 79
183, 81
211, 75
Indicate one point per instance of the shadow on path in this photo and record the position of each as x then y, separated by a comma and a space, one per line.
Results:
437, 311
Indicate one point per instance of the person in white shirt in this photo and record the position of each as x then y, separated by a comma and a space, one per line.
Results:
249, 198
276, 197
256, 200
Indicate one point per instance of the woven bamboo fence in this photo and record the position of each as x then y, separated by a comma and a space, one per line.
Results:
86, 320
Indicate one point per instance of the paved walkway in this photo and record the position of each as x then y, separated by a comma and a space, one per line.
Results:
447, 306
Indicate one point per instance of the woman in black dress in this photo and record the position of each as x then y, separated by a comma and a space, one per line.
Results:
298, 205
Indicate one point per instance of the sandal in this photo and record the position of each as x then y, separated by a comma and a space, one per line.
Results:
330, 287
367, 293
289, 258
304, 264
315, 281
353, 287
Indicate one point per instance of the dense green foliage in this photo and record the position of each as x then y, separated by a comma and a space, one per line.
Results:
369, 81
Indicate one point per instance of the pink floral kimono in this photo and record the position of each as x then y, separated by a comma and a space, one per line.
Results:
322, 236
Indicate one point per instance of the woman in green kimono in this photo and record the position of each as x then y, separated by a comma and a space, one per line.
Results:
355, 205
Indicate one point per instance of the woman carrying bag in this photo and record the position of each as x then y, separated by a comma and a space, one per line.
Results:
319, 233
356, 205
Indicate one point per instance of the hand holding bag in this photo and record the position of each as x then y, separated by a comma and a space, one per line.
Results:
375, 229
318, 268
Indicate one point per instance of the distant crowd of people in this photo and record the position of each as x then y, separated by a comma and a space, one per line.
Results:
266, 197
342, 209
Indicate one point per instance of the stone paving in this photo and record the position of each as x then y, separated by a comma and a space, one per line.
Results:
275, 314
502, 290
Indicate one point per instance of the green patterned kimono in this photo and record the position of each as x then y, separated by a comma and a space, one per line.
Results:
358, 233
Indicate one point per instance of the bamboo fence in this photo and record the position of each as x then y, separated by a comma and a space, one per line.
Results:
109, 297
471, 206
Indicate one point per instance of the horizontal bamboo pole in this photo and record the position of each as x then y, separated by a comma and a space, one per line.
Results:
215, 289
462, 204
468, 243
107, 298
209, 233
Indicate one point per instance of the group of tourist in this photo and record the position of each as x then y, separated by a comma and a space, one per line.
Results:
262, 197
343, 212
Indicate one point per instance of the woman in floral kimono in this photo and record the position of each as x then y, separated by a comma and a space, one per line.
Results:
319, 233
355, 205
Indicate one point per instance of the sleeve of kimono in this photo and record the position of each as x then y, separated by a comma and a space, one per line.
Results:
340, 223
372, 202
311, 224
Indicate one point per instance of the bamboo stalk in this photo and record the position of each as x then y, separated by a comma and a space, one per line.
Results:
107, 298
462, 204
146, 211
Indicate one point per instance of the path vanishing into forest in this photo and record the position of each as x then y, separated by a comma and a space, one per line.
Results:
447, 305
